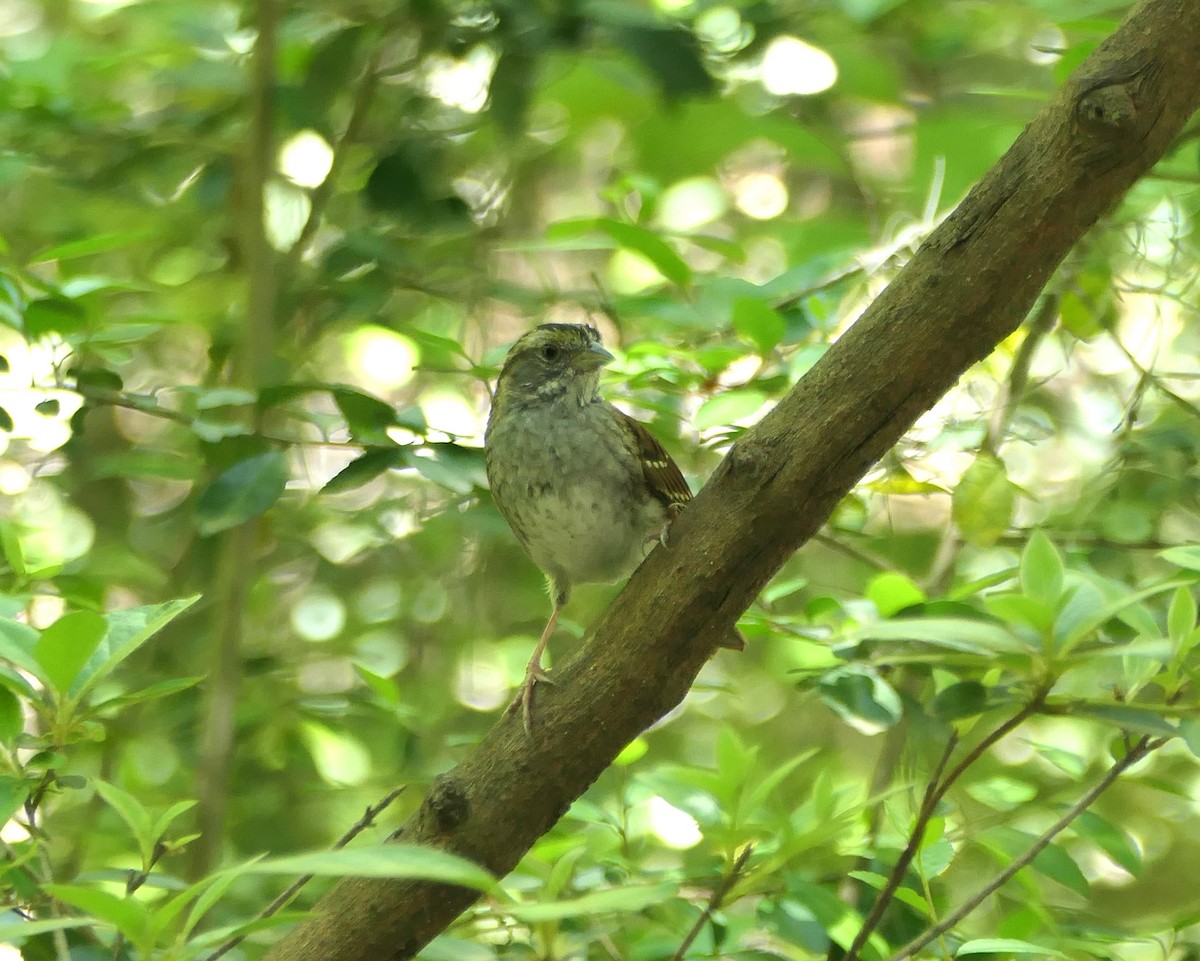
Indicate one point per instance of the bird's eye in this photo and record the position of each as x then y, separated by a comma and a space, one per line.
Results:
550, 352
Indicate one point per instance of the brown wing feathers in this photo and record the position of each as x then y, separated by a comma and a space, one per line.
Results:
662, 473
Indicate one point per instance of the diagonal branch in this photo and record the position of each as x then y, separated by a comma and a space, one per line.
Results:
968, 287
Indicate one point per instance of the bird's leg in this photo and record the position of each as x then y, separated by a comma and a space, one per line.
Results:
533, 670
672, 512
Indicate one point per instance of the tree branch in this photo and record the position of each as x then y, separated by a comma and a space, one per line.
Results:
968, 287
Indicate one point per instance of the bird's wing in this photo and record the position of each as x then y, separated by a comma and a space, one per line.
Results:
662, 473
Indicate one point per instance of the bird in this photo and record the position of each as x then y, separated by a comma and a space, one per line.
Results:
587, 490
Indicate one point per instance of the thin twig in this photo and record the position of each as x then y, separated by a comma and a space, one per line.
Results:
285, 897
1135, 754
715, 901
934, 792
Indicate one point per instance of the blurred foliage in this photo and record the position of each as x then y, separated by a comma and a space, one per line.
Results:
242, 502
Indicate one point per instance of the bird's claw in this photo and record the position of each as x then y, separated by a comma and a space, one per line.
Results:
524, 699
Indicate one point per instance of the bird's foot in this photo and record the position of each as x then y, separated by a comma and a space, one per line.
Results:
673, 511
524, 699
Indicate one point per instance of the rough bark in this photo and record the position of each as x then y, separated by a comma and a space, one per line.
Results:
966, 289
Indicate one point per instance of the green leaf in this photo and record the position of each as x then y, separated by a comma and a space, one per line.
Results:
388, 861
67, 645
17, 645
96, 244
14, 792
723, 409
127, 915
1134, 719
6, 421
170, 814
1042, 570
1093, 622
862, 698
956, 633
1111, 839
1181, 616
364, 469
638, 239
247, 489
1188, 557
1189, 729
1004, 946
12, 721
331, 68
21, 931
1021, 609
367, 417
459, 469
673, 56
982, 503
127, 631
758, 322
608, 901
892, 592
132, 813
52, 315
964, 699
1002, 793
1059, 866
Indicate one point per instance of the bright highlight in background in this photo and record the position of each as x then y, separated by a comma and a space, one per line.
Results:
792, 67
761, 195
461, 83
675, 828
381, 356
305, 159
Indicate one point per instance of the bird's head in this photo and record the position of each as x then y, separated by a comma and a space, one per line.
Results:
551, 364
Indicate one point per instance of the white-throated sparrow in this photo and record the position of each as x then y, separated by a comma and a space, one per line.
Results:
585, 487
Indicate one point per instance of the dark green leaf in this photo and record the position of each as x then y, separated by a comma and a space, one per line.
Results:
367, 417
364, 469
333, 64
963, 699
247, 489
52, 315
672, 56
861, 698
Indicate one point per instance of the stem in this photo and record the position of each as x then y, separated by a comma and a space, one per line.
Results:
1135, 754
282, 900
714, 902
934, 792
236, 552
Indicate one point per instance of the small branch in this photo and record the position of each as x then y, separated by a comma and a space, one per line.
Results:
714, 902
1137, 751
285, 897
934, 792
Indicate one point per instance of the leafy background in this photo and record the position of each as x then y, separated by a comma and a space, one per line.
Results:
249, 557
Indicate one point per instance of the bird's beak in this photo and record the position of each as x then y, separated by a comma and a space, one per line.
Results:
591, 359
